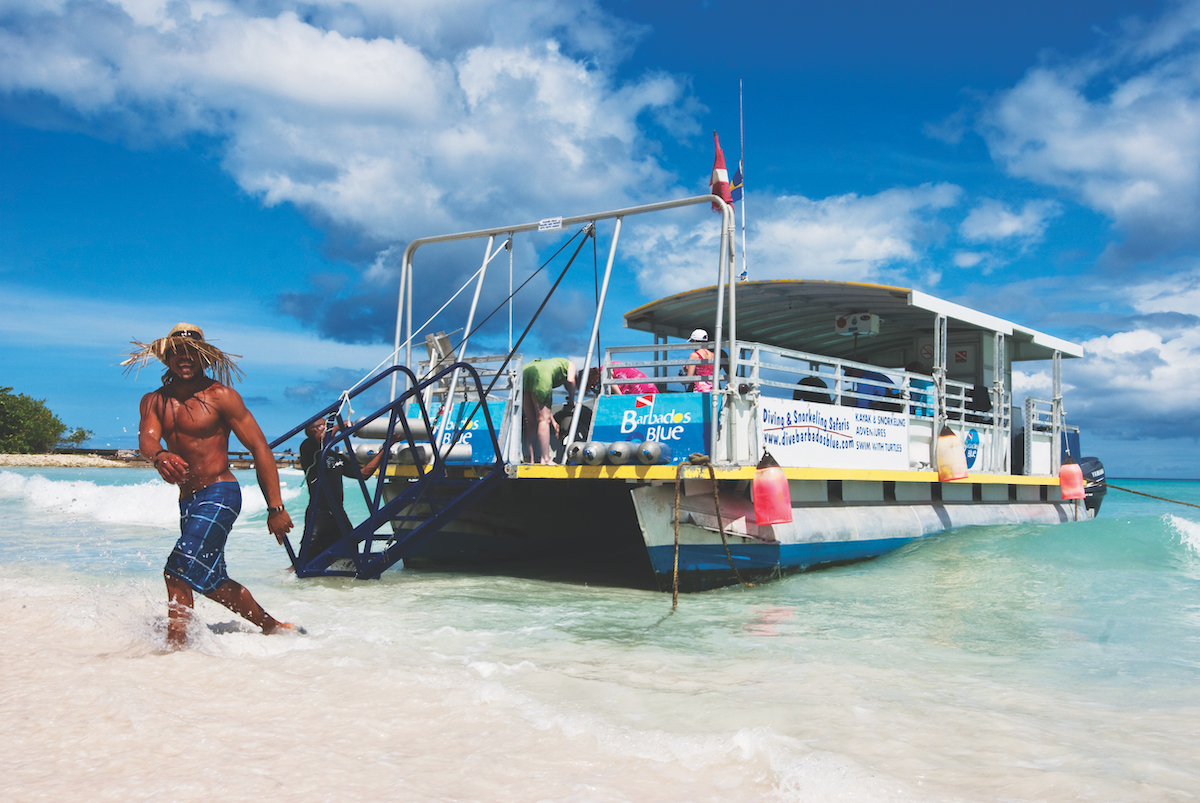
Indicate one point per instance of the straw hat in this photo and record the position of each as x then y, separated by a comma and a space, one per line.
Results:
225, 370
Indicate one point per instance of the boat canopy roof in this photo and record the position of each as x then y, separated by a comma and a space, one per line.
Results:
799, 314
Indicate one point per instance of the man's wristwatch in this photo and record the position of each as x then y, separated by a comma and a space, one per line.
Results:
271, 511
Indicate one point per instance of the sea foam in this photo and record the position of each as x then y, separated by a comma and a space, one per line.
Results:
1189, 531
146, 503
151, 503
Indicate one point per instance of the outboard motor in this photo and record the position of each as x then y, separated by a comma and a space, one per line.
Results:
1094, 486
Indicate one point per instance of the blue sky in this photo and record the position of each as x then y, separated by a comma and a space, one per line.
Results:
257, 169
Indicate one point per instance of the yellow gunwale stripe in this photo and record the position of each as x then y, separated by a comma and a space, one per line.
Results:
647, 473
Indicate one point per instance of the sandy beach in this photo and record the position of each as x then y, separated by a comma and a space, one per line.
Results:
68, 461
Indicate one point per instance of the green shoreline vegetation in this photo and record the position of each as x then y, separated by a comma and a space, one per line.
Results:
27, 426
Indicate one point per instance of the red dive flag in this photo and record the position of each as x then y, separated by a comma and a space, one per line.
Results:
720, 177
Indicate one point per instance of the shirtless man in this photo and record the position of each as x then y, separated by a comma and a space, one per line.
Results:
194, 414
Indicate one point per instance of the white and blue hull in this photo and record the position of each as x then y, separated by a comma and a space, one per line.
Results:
616, 520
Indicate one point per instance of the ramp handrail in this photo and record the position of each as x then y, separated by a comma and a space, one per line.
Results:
429, 477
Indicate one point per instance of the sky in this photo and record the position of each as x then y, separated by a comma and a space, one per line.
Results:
258, 168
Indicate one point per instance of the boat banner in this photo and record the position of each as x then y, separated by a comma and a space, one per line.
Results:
799, 433
678, 420
475, 432
971, 447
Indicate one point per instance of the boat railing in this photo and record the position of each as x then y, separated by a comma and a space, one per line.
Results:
1044, 426
774, 371
778, 372
500, 380
762, 366
667, 367
488, 367
769, 371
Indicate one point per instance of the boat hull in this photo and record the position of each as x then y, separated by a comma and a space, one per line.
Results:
631, 525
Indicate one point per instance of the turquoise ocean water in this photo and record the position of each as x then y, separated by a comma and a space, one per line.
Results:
995, 663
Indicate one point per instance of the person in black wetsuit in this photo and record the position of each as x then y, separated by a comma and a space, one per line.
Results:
323, 515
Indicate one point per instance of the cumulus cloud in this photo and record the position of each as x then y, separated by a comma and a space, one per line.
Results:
1031, 383
1144, 381
848, 237
1180, 295
992, 221
1116, 130
1140, 383
381, 121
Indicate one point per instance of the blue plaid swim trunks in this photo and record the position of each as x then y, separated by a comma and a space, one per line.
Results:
205, 519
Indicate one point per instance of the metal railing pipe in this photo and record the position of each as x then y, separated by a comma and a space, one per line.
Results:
722, 269
731, 382
399, 319
448, 403
581, 386
407, 269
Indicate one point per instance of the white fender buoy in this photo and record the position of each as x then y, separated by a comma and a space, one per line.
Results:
951, 456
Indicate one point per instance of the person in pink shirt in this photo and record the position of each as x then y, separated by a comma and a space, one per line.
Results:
628, 372
704, 369
624, 372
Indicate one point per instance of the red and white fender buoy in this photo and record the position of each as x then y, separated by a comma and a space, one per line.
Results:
772, 496
1070, 479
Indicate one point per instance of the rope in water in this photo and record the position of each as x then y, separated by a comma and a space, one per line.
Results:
697, 459
1152, 496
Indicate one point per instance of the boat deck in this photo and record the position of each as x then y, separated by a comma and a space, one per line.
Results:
630, 473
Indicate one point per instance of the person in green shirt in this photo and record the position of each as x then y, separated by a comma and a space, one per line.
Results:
539, 379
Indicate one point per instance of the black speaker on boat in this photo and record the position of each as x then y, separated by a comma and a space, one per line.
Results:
1094, 486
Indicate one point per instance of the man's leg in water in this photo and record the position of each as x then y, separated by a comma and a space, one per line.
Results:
235, 596
179, 610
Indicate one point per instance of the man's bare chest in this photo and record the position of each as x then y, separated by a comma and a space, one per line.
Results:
195, 417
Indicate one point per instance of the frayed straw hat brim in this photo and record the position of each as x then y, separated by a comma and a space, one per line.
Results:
223, 365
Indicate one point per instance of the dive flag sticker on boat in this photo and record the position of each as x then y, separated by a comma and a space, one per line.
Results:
644, 401
550, 224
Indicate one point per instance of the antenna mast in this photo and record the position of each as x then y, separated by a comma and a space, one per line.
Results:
742, 170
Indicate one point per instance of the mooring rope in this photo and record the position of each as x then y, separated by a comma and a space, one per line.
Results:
697, 459
1152, 496
675, 573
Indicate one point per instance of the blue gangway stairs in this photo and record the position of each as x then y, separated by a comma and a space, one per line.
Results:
432, 492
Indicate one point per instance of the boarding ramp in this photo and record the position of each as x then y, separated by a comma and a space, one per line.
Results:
427, 476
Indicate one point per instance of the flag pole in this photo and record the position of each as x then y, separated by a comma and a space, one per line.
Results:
742, 170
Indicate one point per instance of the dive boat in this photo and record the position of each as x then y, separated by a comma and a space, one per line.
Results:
823, 423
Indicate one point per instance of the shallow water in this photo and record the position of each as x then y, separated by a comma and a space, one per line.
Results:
996, 663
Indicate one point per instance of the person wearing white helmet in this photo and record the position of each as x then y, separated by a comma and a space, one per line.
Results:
705, 369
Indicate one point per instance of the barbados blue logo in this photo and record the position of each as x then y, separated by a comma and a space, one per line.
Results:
663, 426
679, 420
